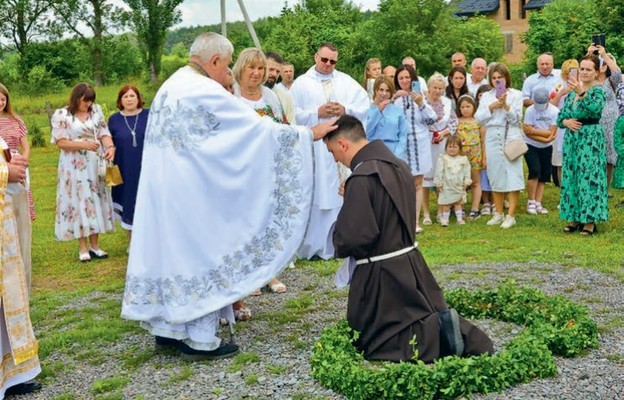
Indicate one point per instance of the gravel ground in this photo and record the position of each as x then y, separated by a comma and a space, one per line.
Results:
277, 342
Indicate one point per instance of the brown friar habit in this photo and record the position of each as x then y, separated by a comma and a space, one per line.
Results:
392, 300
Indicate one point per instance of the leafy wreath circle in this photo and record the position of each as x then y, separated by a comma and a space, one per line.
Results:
554, 325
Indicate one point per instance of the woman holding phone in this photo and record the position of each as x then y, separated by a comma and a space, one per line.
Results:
500, 111
386, 121
583, 200
419, 116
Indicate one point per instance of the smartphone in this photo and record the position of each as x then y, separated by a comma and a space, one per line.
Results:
416, 86
598, 39
573, 73
500, 88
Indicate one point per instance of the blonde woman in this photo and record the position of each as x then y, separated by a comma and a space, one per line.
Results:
372, 71
445, 125
250, 73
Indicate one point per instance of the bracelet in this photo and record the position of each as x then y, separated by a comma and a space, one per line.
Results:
112, 146
582, 94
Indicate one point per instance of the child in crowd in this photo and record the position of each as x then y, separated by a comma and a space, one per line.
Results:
540, 129
486, 189
472, 138
452, 177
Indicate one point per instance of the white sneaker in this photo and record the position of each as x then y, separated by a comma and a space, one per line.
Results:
427, 220
508, 222
540, 209
531, 209
443, 222
461, 222
497, 219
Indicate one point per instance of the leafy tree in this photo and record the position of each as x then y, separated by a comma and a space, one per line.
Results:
478, 37
610, 14
98, 16
23, 20
151, 19
563, 27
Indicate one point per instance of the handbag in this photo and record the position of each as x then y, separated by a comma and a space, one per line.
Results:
113, 175
515, 148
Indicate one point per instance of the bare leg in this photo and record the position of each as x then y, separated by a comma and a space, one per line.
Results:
610, 168
425, 201
93, 241
418, 180
499, 198
532, 185
82, 242
513, 198
539, 192
475, 188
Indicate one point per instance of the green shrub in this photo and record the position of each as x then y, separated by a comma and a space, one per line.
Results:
554, 325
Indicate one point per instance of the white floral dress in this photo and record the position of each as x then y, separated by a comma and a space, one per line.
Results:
83, 201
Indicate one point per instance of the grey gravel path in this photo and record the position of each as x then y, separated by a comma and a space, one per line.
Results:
278, 343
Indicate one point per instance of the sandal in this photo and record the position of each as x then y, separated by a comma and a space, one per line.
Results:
97, 253
572, 227
276, 286
587, 232
84, 257
474, 214
241, 313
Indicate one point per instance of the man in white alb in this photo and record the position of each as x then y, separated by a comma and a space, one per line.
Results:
319, 94
224, 197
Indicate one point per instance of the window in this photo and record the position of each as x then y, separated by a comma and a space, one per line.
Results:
507, 10
508, 42
522, 10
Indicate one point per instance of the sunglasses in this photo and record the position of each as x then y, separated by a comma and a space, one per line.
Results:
324, 60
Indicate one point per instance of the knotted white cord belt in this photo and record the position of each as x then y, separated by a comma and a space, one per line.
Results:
387, 255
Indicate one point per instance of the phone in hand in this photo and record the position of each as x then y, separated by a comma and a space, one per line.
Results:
598, 39
573, 73
501, 88
416, 86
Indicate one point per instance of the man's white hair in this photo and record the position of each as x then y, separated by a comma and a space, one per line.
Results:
210, 44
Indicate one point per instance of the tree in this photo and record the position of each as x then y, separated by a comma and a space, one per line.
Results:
23, 20
610, 14
151, 19
563, 27
97, 15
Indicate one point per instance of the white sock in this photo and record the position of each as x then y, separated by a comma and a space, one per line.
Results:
446, 215
459, 214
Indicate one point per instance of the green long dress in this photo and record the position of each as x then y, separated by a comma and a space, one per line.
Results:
584, 166
618, 141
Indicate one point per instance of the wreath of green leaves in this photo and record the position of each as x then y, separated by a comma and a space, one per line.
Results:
554, 325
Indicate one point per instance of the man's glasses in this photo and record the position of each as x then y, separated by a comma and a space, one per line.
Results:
324, 60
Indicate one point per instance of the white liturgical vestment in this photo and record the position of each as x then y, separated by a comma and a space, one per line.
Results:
223, 203
309, 92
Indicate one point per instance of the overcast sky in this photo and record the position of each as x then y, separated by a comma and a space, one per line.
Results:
208, 12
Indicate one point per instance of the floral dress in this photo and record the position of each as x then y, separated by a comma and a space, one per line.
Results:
83, 202
470, 135
584, 165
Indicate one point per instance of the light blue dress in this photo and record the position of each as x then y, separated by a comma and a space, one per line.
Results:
389, 126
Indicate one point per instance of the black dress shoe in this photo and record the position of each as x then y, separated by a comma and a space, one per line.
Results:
163, 342
224, 351
23, 388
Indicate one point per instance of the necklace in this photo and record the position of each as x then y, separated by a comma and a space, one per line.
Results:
198, 68
249, 92
133, 129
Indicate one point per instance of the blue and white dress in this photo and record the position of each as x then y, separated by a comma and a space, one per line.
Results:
418, 152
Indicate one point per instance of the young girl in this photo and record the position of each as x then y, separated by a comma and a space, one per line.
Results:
13, 131
472, 138
486, 196
372, 71
452, 178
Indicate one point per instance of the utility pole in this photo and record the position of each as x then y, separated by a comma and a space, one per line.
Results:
250, 27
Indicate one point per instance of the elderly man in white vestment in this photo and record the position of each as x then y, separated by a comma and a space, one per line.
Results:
223, 203
322, 93
19, 348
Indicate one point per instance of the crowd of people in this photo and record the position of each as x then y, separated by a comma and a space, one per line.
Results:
389, 141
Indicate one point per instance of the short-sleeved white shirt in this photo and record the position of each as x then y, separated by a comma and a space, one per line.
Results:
540, 120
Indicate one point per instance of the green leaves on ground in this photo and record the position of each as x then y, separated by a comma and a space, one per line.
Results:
554, 326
